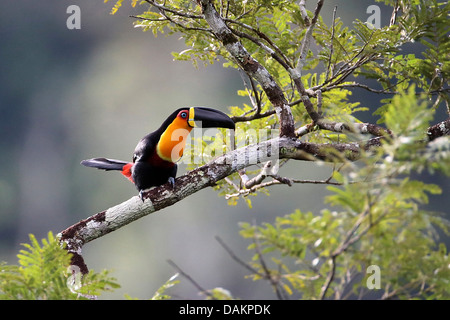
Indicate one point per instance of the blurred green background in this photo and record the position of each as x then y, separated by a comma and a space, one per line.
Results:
68, 95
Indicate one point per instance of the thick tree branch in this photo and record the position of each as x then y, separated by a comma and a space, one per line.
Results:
439, 130
102, 223
251, 66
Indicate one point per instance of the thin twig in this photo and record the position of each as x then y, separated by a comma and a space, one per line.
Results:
276, 181
394, 14
237, 259
331, 45
253, 95
164, 14
285, 62
254, 116
173, 11
330, 278
303, 12
184, 274
230, 182
274, 281
307, 39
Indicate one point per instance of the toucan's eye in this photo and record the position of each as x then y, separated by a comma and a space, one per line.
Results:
183, 115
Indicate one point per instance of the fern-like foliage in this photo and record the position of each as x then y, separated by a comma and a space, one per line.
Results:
44, 273
375, 218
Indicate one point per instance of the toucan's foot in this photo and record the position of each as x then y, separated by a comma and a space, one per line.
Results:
172, 182
141, 195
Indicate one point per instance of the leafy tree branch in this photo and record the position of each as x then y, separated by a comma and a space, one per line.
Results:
377, 202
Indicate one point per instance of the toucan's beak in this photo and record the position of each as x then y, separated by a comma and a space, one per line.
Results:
209, 118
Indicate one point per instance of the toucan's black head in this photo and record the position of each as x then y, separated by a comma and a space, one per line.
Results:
209, 118
172, 134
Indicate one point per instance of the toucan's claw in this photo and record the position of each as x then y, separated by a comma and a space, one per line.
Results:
172, 182
141, 195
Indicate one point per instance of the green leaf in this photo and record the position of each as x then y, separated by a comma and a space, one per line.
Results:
160, 293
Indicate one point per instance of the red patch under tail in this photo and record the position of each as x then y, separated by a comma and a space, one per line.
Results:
126, 171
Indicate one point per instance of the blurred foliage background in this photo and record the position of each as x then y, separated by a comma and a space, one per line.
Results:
68, 95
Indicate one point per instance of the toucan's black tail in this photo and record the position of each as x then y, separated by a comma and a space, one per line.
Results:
105, 164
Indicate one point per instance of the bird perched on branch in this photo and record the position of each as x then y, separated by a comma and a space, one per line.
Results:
155, 156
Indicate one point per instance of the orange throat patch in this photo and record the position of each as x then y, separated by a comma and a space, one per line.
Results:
171, 144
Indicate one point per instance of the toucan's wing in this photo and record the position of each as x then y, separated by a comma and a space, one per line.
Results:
146, 146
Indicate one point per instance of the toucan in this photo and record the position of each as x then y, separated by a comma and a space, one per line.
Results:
155, 156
